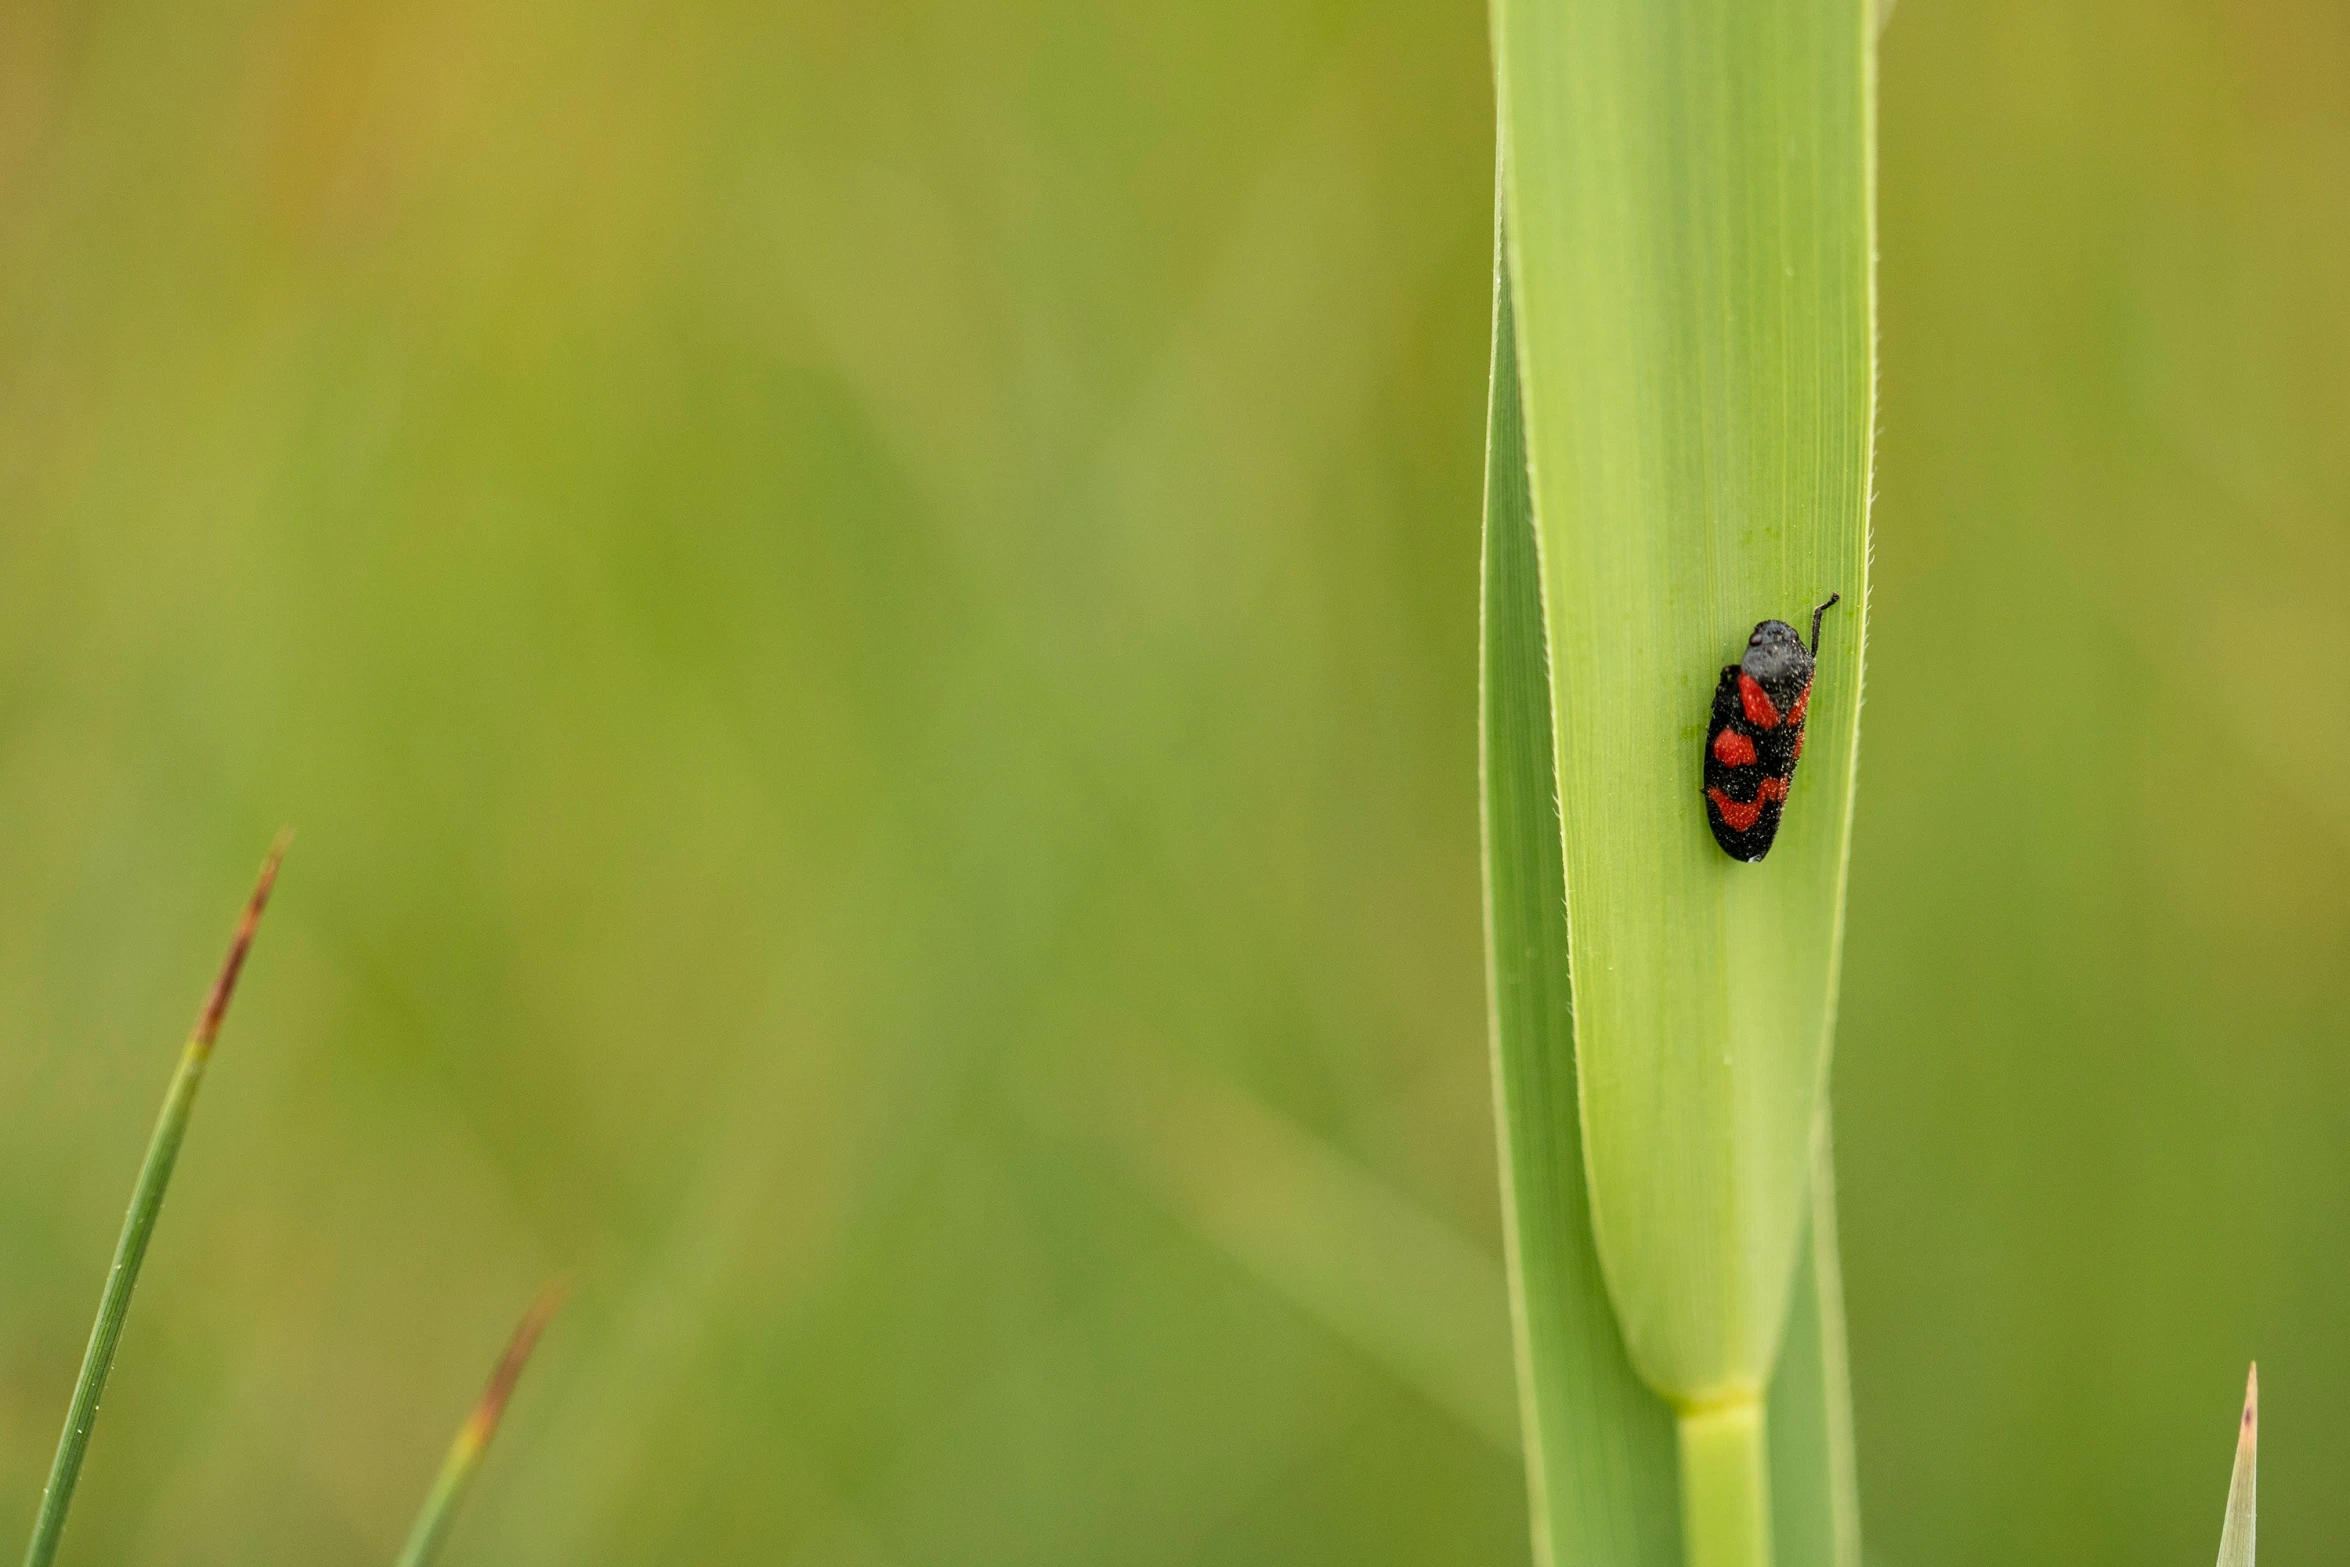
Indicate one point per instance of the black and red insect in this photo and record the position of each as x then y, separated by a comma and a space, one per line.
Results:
1756, 736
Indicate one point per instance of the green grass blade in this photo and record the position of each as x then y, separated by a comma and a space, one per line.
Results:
1689, 196
1599, 1444
138, 1227
1379, 1271
473, 1437
1815, 1497
2235, 1536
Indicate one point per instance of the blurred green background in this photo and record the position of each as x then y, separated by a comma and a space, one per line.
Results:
867, 614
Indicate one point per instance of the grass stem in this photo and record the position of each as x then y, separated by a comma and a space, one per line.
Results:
1725, 1485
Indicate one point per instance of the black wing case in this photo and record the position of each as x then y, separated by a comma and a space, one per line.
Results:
1745, 779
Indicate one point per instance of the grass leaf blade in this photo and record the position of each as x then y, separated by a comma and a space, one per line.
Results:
1600, 1453
1690, 212
138, 1227
1815, 1495
473, 1437
2236, 1535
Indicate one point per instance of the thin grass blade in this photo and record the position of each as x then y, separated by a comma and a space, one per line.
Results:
138, 1226
473, 1437
1376, 1269
1599, 1444
1815, 1491
2235, 1536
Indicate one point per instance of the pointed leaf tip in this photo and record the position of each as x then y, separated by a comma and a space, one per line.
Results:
225, 984
492, 1405
2236, 1535
473, 1437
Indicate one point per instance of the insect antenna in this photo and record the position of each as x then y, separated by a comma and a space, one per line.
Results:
1815, 622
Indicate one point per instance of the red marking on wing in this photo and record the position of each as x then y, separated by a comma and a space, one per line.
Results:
1741, 816
1802, 704
1760, 711
1733, 749
1798, 756
1737, 817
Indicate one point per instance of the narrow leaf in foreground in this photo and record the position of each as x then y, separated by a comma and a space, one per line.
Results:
138, 1227
473, 1437
2235, 1536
